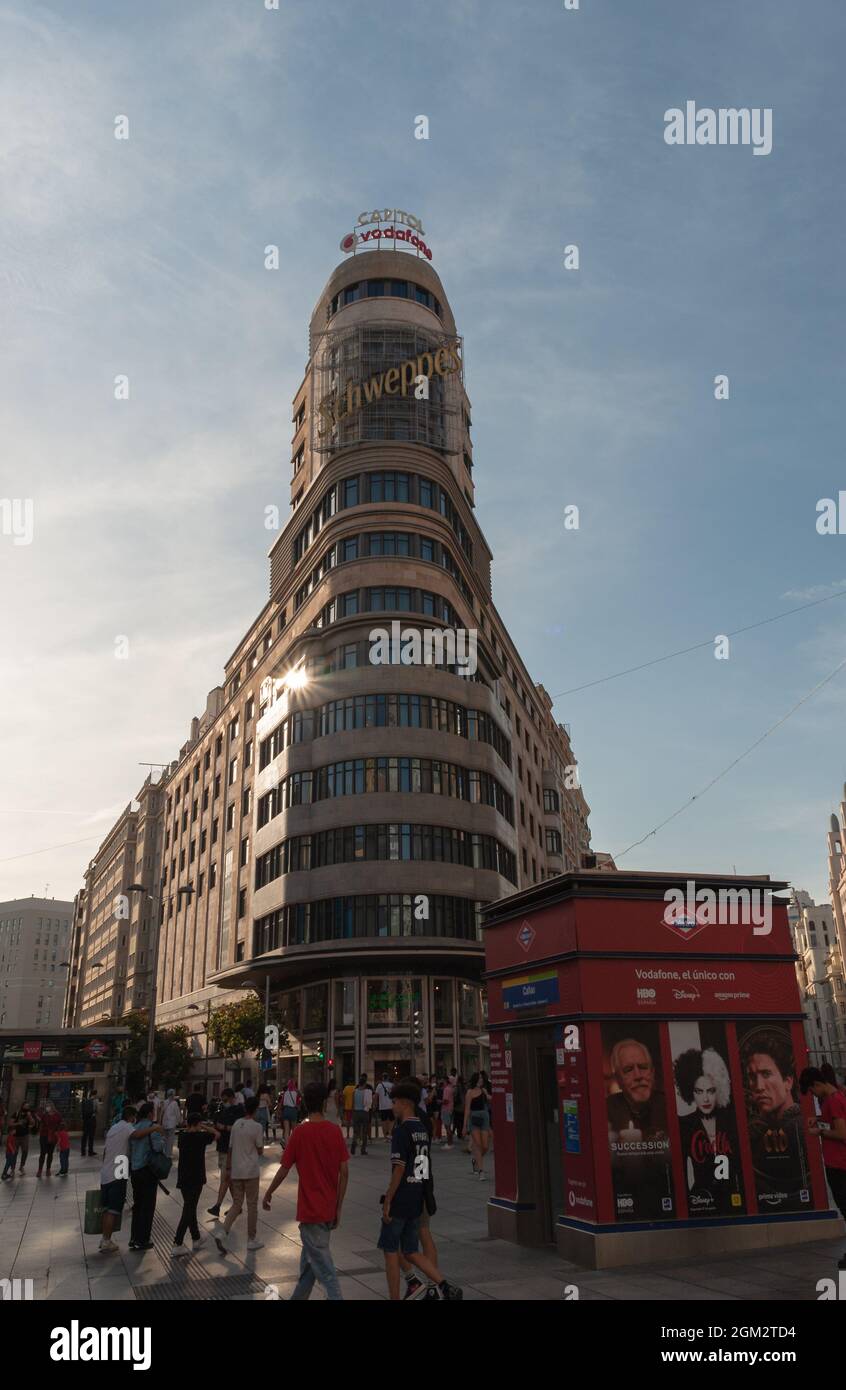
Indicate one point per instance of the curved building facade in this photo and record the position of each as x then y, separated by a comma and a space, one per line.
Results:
378, 764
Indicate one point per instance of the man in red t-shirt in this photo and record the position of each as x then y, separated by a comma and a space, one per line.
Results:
323, 1163
831, 1128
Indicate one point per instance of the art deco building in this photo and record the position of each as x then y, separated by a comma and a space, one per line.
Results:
342, 809
35, 938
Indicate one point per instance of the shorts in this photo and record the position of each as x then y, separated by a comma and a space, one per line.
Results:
113, 1196
291, 1114
385, 1115
446, 1118
400, 1234
481, 1120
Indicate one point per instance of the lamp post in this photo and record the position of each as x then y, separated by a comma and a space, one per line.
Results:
155, 898
195, 1008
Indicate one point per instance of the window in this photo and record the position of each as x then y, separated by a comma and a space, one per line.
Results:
553, 842
230, 816
442, 996
218, 745
249, 709
246, 801
233, 771
217, 786
242, 902
234, 729
213, 873
248, 754
349, 604
349, 548
245, 851
350, 493
551, 801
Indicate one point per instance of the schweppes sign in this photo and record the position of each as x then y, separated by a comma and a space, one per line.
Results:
396, 381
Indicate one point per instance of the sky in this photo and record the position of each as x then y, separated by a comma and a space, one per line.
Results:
593, 387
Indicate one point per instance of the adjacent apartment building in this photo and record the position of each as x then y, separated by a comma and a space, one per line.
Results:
377, 762
35, 941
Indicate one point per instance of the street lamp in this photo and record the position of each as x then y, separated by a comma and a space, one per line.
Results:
186, 891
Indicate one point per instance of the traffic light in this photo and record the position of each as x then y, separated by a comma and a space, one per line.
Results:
331, 1062
318, 1051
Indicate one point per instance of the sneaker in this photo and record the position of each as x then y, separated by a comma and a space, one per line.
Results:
451, 1292
221, 1246
213, 1211
107, 1246
199, 1244
178, 1251
475, 1167
432, 1293
255, 1244
483, 1177
415, 1288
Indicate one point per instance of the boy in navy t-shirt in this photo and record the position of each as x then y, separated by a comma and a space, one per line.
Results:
402, 1205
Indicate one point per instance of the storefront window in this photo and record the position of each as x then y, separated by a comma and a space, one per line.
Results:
442, 996
289, 1011
388, 1001
345, 1003
444, 1060
469, 1006
316, 1006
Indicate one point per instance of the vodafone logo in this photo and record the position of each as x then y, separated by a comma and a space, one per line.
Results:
378, 234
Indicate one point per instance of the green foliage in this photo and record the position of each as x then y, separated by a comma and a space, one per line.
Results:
238, 1028
172, 1056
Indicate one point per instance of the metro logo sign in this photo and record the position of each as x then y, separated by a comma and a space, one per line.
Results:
684, 927
526, 935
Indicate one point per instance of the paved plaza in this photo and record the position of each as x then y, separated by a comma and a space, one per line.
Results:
41, 1238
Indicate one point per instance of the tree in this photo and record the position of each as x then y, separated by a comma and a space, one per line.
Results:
238, 1028
172, 1056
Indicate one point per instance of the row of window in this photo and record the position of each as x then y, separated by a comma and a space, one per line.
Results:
353, 654
389, 486
384, 543
356, 776
383, 289
350, 844
385, 711
386, 600
374, 914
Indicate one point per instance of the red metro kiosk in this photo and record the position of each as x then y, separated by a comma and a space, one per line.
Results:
646, 1040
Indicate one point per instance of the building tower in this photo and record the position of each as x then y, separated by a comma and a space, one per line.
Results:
346, 804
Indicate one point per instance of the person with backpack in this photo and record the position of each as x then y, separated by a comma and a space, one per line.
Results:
145, 1141
384, 1105
191, 1178
90, 1106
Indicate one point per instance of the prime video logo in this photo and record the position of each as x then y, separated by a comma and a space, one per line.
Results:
690, 912
428, 646
728, 125
76, 1343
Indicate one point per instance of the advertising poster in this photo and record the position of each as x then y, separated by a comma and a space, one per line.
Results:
776, 1129
577, 1161
707, 1117
636, 1107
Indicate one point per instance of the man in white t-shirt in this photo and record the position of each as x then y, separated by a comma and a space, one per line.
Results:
115, 1162
384, 1105
170, 1121
246, 1145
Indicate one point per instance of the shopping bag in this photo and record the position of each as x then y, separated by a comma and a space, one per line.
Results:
94, 1213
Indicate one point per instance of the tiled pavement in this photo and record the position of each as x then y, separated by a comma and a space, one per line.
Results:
41, 1238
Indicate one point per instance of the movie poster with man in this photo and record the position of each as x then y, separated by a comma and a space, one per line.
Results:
638, 1134
707, 1119
776, 1132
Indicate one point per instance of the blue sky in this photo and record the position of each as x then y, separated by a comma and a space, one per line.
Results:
595, 387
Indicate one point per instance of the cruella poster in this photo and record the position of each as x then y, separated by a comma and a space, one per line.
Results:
707, 1117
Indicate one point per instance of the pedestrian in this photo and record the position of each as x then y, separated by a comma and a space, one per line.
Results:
196, 1101
447, 1124
362, 1106
434, 1106
90, 1106
246, 1145
118, 1102
11, 1150
247, 1090
112, 1186
403, 1202
458, 1098
144, 1181
63, 1146
290, 1109
318, 1151
25, 1125
477, 1121
49, 1120
348, 1096
264, 1111
829, 1075
191, 1178
170, 1121
228, 1116
831, 1129
384, 1105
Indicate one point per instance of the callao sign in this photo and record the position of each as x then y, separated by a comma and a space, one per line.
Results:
404, 226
